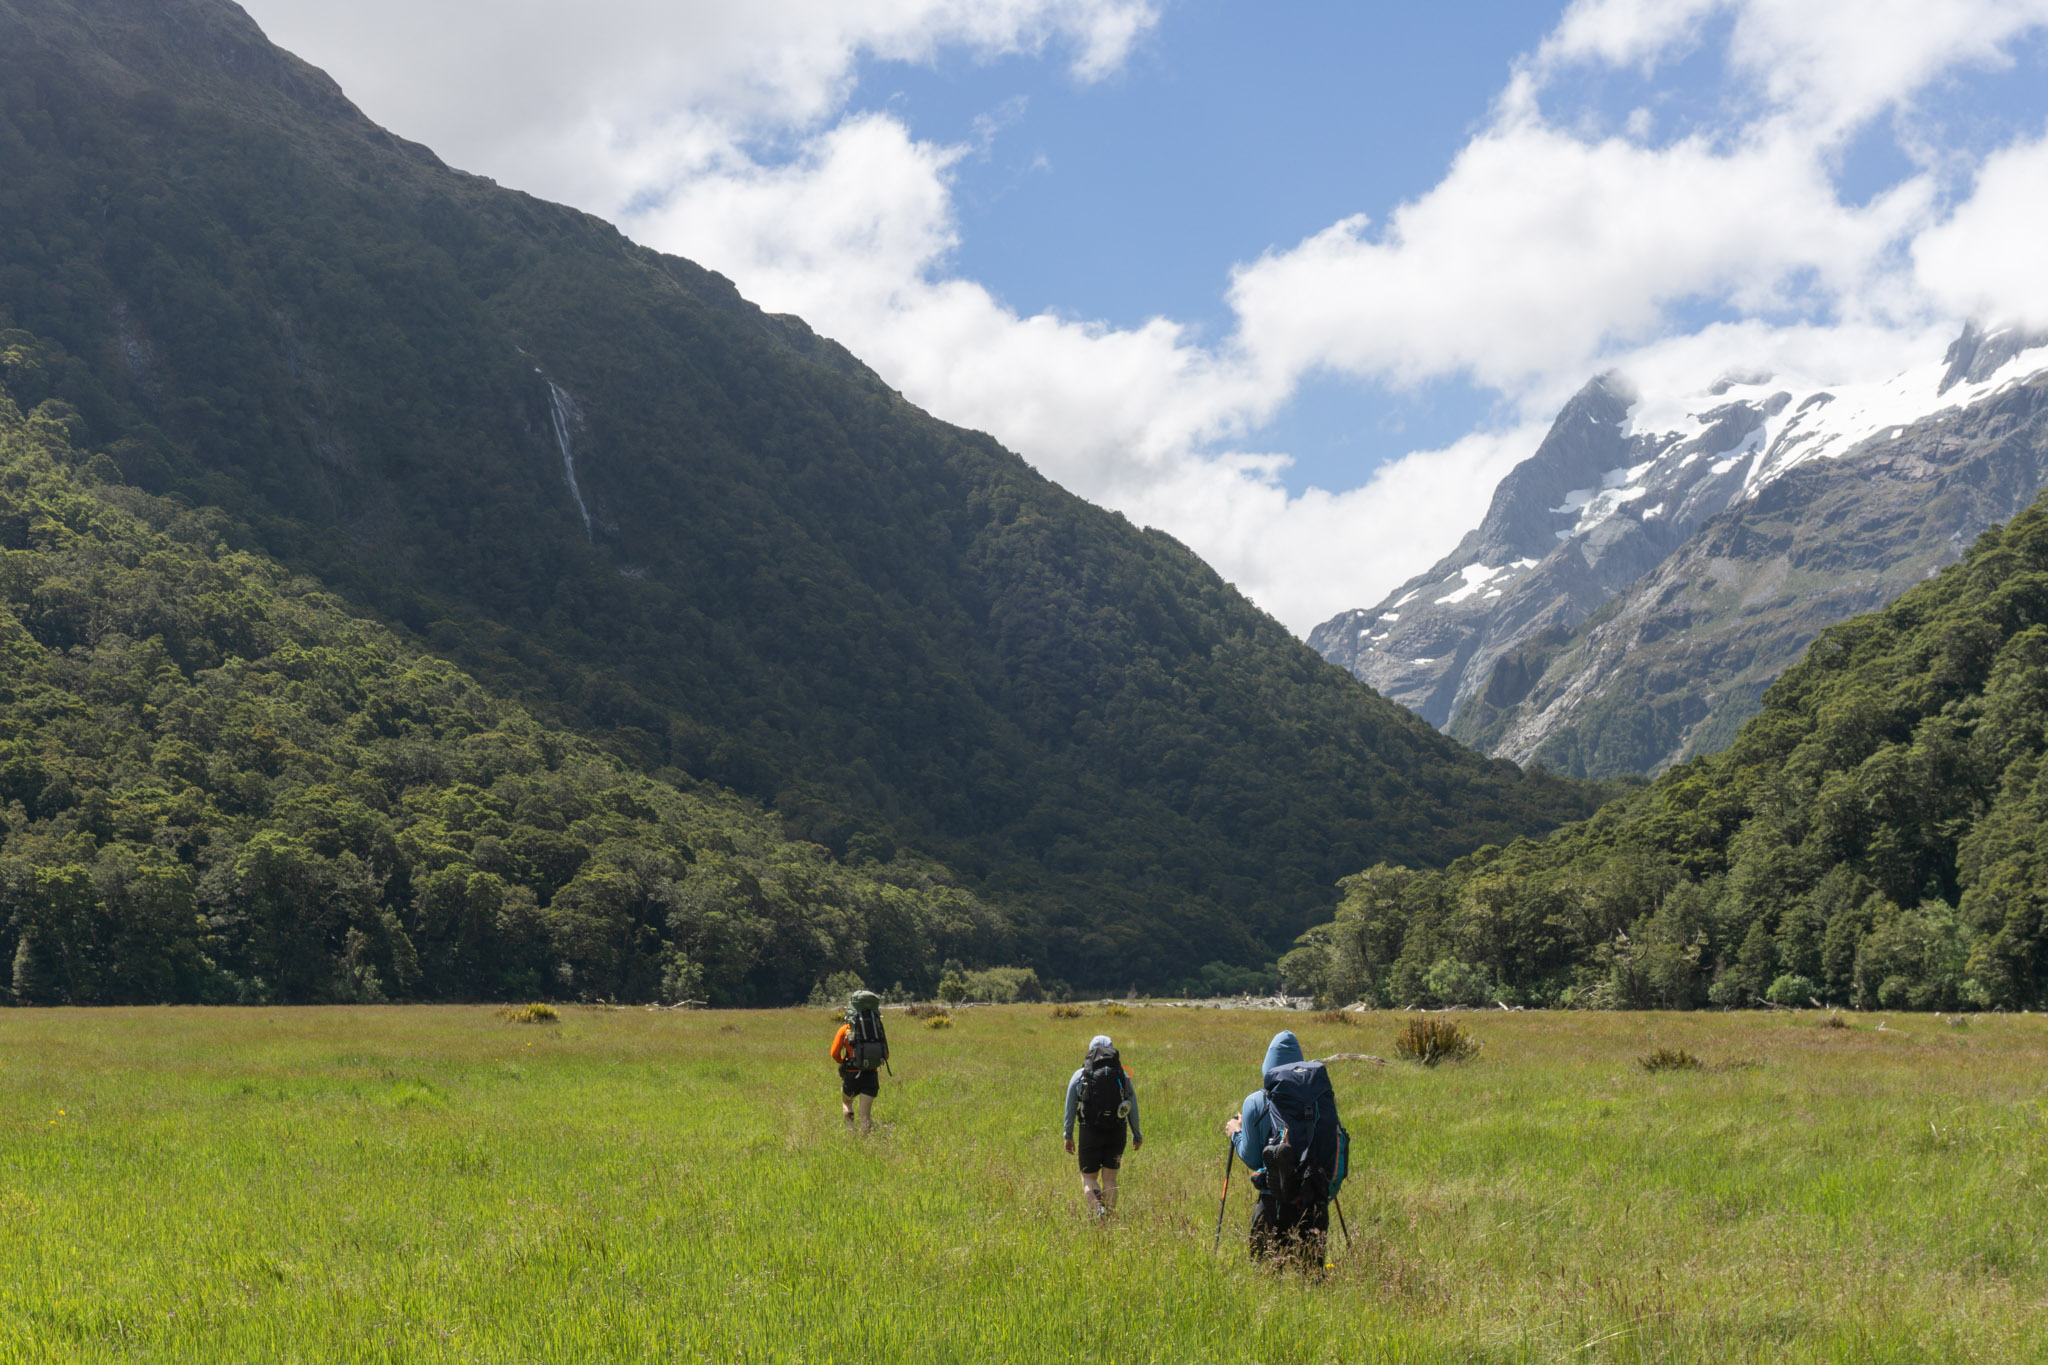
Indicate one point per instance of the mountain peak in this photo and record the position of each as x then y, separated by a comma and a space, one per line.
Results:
156, 54
1587, 439
1977, 354
1618, 483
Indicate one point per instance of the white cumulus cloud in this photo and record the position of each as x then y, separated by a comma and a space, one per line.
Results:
598, 101
1987, 258
1540, 252
1835, 63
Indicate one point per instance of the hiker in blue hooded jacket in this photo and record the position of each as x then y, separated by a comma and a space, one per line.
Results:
1103, 1099
1299, 1224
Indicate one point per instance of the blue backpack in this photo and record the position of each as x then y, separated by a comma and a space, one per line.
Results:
1308, 1150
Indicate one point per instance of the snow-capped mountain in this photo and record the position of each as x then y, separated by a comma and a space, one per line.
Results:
1621, 483
1673, 665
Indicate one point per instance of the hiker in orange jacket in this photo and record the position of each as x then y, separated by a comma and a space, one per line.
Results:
854, 1082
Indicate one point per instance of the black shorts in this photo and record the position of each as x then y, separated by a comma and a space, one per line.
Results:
1101, 1146
853, 1083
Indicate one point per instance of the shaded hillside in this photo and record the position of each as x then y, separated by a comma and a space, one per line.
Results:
1674, 665
770, 571
217, 785
1877, 835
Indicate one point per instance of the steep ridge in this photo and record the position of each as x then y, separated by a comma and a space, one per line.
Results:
604, 482
1873, 837
1679, 660
1490, 643
218, 785
1594, 508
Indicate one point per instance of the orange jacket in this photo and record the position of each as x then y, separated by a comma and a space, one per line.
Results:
842, 1045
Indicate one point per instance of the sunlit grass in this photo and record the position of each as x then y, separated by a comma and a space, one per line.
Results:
430, 1184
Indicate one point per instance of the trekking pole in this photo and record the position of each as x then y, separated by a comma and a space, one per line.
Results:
1229, 1151
1342, 1224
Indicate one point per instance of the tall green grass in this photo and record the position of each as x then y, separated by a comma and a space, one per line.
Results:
436, 1184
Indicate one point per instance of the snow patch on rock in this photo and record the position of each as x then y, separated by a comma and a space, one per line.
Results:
1476, 576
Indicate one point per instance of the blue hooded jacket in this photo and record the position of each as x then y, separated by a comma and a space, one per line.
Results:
1258, 1125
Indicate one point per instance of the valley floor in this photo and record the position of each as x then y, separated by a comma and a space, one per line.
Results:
428, 1184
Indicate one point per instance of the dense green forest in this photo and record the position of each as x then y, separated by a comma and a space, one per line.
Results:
216, 784
1876, 837
792, 583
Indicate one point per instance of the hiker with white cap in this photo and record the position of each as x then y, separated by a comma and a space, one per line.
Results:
1102, 1097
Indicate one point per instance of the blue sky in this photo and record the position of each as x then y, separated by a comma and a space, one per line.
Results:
1295, 281
1239, 128
1236, 128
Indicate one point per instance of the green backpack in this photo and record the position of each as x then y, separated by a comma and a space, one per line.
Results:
865, 1037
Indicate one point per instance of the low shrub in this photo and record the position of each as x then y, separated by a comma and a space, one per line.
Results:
1453, 981
1834, 1020
834, 990
1335, 1017
1670, 1059
939, 1021
924, 1010
1114, 1010
1067, 1011
1222, 979
535, 1013
1432, 1039
994, 986
1793, 992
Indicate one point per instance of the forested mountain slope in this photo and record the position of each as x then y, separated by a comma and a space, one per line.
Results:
217, 785
763, 567
1877, 836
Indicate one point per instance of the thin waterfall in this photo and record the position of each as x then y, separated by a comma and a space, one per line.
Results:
561, 406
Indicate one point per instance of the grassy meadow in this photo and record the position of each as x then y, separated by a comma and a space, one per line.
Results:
425, 1184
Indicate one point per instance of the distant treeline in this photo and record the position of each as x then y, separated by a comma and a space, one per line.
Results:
1877, 838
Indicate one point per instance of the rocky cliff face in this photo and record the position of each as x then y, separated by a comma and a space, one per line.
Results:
1595, 508
1690, 561
1674, 665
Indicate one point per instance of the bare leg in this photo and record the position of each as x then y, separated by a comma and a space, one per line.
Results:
1109, 1188
1091, 1190
846, 1109
867, 1120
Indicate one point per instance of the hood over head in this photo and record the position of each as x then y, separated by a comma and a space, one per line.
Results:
1284, 1048
1099, 1043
